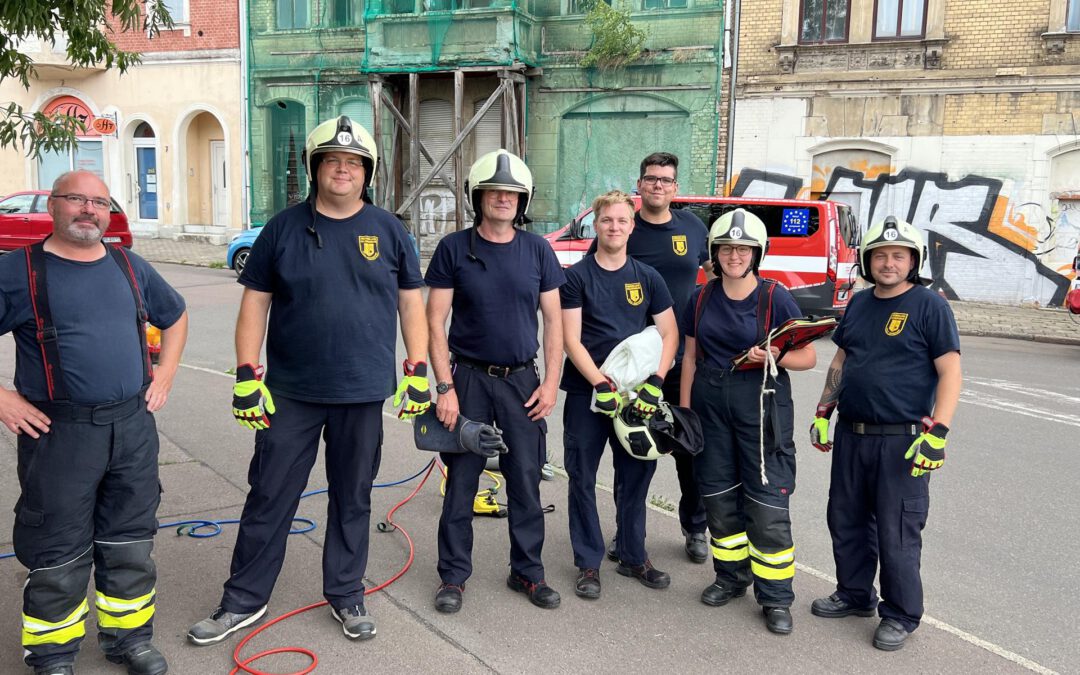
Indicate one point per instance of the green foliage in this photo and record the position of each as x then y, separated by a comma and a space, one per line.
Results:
85, 25
616, 41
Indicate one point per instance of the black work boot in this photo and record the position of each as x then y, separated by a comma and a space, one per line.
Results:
645, 573
697, 547
833, 607
778, 620
890, 635
540, 594
719, 593
142, 659
588, 583
612, 552
448, 598
55, 669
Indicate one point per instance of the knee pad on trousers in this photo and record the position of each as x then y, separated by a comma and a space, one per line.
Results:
125, 579
55, 608
723, 513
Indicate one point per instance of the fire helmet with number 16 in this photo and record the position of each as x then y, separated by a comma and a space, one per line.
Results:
892, 232
340, 135
739, 228
500, 170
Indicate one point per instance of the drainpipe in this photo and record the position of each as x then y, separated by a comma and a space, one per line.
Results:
735, 25
245, 137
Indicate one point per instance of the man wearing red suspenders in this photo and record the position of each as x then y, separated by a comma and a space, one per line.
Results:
87, 443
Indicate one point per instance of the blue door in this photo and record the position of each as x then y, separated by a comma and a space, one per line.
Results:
146, 158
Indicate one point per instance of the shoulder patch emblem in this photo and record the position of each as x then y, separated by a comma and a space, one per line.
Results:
895, 325
678, 244
369, 246
634, 294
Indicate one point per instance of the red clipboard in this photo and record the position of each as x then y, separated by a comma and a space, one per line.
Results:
792, 334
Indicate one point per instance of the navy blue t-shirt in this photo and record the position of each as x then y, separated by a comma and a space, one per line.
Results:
495, 301
675, 249
614, 305
889, 349
730, 327
95, 318
332, 333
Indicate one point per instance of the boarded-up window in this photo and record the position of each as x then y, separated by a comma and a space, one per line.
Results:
437, 133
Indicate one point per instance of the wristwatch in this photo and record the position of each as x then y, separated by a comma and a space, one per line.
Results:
443, 387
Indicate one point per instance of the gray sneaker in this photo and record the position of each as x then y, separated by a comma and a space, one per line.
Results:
355, 622
220, 625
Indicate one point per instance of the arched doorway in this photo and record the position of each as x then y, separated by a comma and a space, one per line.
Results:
205, 169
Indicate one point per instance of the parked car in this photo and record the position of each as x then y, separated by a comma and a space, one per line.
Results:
240, 248
25, 219
812, 243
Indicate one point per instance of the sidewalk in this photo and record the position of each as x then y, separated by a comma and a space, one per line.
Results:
973, 318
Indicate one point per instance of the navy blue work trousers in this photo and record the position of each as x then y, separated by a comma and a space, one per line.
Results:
877, 512
499, 401
585, 433
284, 455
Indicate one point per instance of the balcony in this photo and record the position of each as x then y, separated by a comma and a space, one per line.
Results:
51, 61
403, 35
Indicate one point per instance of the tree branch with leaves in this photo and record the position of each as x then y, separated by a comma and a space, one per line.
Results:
86, 25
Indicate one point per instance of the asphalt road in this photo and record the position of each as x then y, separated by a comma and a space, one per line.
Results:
998, 564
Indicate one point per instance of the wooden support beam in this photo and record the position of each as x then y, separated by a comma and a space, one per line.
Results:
381, 177
403, 125
459, 154
414, 156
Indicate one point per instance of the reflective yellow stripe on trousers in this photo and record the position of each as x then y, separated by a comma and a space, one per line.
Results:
780, 565
124, 614
41, 632
730, 549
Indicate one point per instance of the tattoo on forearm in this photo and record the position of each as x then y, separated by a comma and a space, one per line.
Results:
832, 387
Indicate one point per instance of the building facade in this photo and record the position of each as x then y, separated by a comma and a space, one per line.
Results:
962, 117
472, 76
165, 136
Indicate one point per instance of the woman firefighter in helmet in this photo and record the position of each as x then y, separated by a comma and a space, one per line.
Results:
746, 471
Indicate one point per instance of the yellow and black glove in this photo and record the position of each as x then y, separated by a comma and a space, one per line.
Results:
819, 428
608, 401
252, 403
928, 450
649, 394
413, 393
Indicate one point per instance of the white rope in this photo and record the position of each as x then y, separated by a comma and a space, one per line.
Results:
768, 368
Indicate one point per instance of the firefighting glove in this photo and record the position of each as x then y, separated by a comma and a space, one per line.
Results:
649, 395
819, 428
928, 449
413, 393
483, 439
608, 402
252, 403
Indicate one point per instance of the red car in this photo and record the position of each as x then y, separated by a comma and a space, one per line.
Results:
811, 249
25, 219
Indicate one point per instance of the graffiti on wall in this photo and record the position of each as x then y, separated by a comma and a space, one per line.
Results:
982, 245
436, 211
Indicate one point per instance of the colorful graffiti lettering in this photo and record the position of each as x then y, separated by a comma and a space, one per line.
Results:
982, 245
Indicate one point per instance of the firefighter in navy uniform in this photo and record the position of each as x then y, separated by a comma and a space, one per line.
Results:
333, 273
746, 472
675, 243
895, 384
495, 276
87, 441
607, 298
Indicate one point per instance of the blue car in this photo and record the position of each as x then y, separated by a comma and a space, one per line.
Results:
240, 247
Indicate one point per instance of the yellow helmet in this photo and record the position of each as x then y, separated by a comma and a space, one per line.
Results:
739, 228
340, 135
500, 170
892, 232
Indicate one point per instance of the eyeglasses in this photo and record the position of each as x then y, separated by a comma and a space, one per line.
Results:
728, 249
350, 164
663, 180
79, 200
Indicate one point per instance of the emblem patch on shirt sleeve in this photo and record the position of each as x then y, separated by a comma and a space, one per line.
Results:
678, 244
895, 325
369, 247
634, 294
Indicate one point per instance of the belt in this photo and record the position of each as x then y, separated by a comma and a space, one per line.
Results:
493, 370
904, 429
106, 413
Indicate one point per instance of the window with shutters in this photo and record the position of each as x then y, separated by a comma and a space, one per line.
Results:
487, 134
437, 134
358, 110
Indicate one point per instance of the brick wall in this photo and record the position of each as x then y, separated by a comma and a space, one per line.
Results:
994, 33
212, 24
